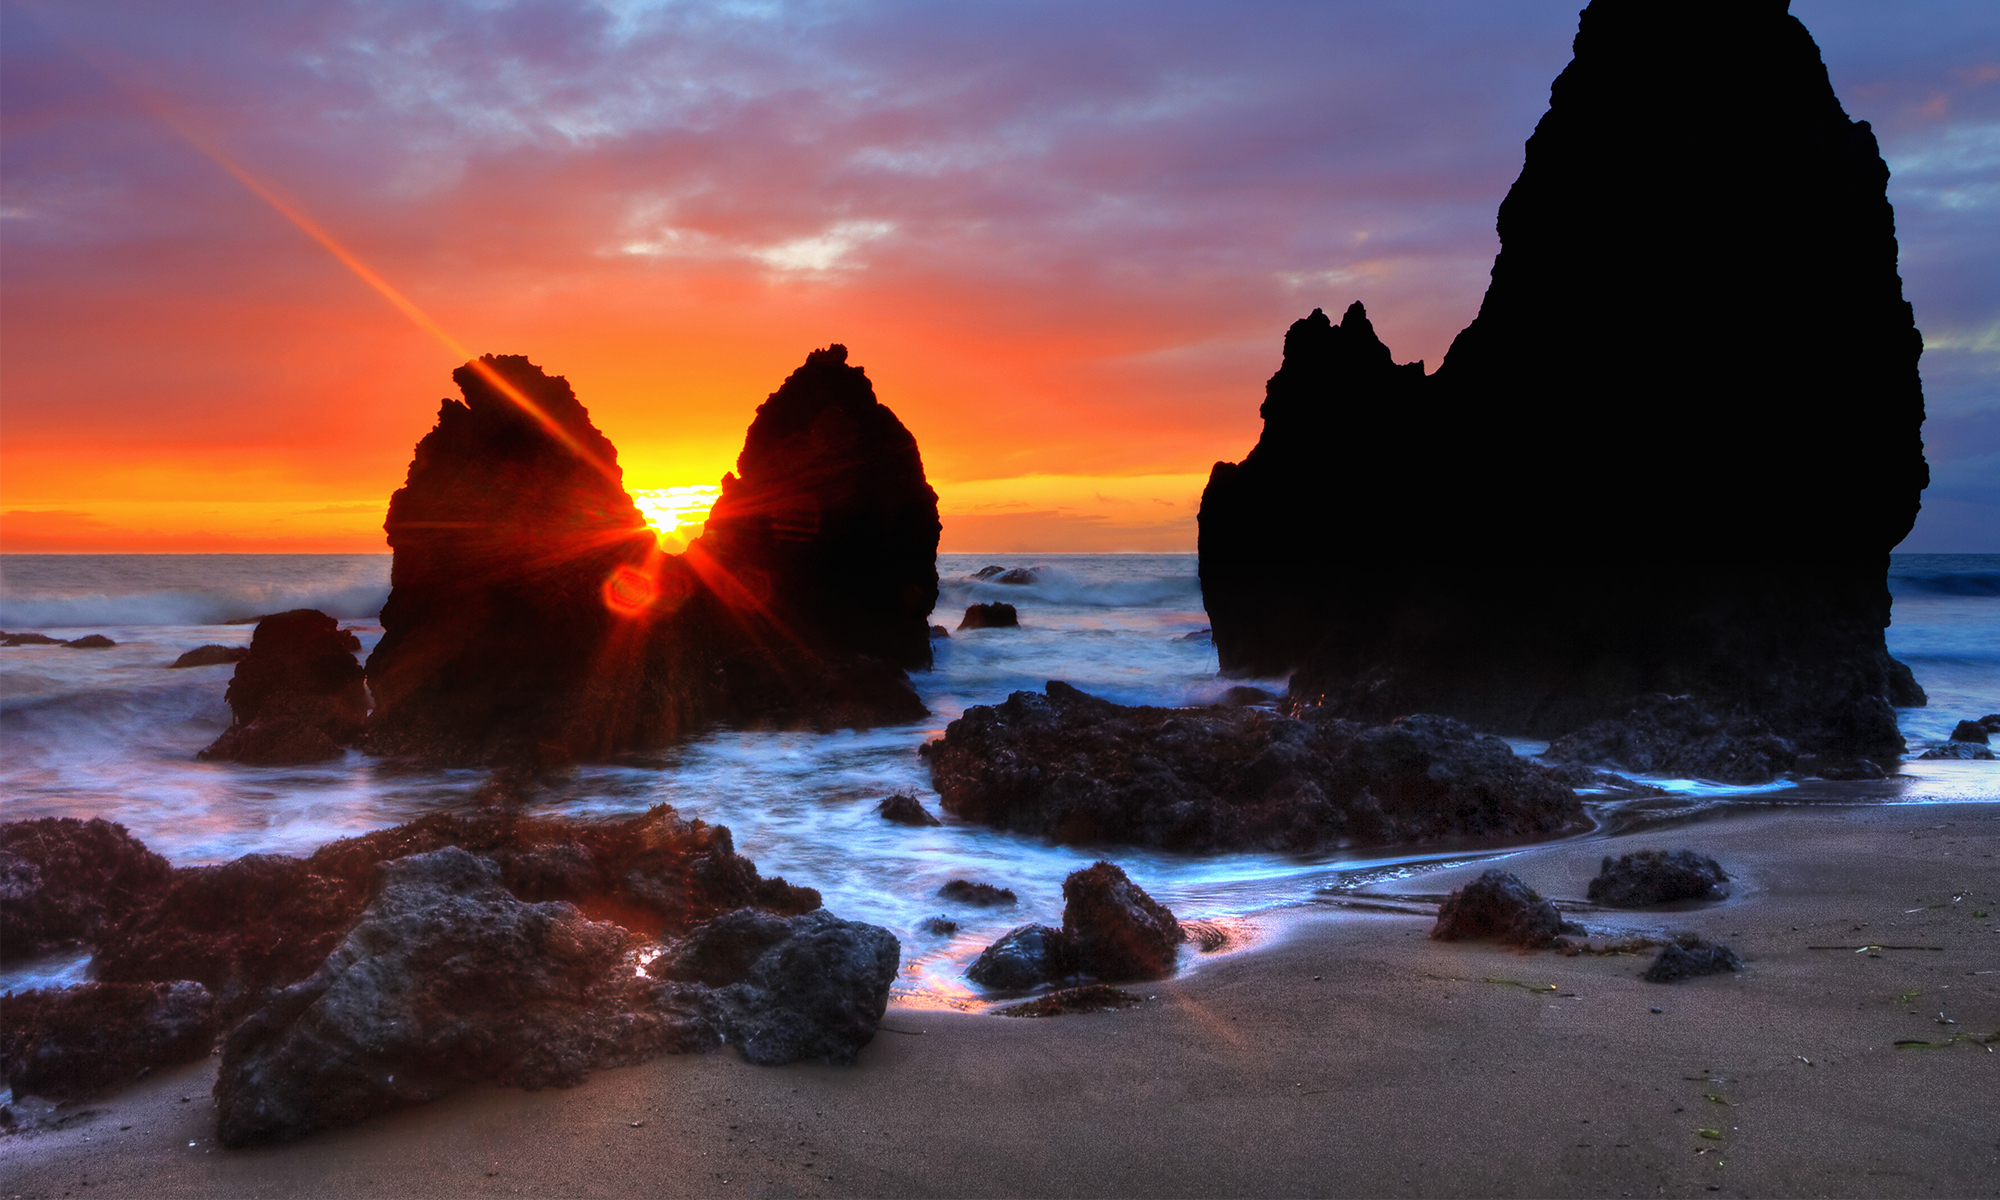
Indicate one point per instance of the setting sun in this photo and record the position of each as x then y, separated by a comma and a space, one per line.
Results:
676, 514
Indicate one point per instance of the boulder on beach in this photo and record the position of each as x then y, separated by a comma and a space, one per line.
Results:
66, 1043
212, 655
1749, 572
1078, 769
1646, 877
1116, 930
905, 809
1688, 956
298, 696
990, 616
1026, 956
1499, 906
64, 881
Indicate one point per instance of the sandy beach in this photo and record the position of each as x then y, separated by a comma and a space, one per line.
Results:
1344, 1054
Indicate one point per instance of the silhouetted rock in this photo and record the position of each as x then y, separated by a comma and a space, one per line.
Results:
29, 639
91, 641
1683, 737
977, 895
905, 809
1657, 877
63, 880
1115, 930
1075, 768
213, 656
1990, 722
65, 1043
299, 695
940, 632
1687, 957
990, 616
1969, 731
1024, 957
1748, 570
1498, 905
1963, 751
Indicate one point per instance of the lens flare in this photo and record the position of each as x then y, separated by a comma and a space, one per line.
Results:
631, 591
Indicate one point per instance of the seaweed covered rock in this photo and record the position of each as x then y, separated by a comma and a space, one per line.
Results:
1076, 768
1683, 737
1750, 572
1689, 956
65, 1043
1116, 930
1498, 905
1647, 877
63, 880
977, 895
298, 696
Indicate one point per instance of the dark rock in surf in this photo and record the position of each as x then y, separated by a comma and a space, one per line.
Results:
988, 572
1962, 751
1078, 769
298, 696
64, 881
1970, 731
1648, 877
1749, 572
1019, 576
1498, 905
905, 809
938, 926
1689, 956
990, 616
977, 895
212, 656
91, 641
29, 639
939, 632
66, 1043
1683, 737
1026, 956
1115, 930
1990, 722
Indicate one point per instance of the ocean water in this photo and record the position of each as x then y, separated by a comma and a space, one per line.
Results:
113, 733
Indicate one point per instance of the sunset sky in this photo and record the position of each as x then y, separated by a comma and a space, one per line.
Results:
1063, 239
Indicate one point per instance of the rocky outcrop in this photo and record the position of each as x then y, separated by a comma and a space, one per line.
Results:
990, 616
90, 641
1974, 731
1748, 569
66, 1043
1111, 930
1499, 906
212, 655
1647, 877
1689, 956
28, 639
1962, 751
298, 696
63, 881
1683, 737
1078, 769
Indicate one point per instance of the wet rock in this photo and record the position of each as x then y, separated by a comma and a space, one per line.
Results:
298, 696
29, 639
1024, 957
1687, 957
816, 993
1630, 179
66, 1043
905, 809
1078, 769
939, 631
1683, 737
91, 641
988, 572
977, 895
1088, 998
212, 656
990, 616
1990, 722
63, 880
1498, 905
1969, 731
1963, 751
1019, 576
1814, 766
1115, 930
938, 926
1657, 877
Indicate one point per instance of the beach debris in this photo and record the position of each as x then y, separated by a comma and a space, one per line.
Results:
1076, 768
977, 895
1985, 1041
1646, 877
1207, 936
990, 616
211, 655
1088, 998
64, 1043
1714, 1135
299, 696
64, 881
902, 808
1688, 956
1498, 905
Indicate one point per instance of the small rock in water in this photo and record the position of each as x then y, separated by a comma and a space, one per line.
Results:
939, 631
1024, 957
1965, 751
905, 809
1498, 905
212, 655
939, 926
1689, 956
988, 572
1970, 731
1657, 877
977, 895
990, 616
29, 639
1020, 576
92, 641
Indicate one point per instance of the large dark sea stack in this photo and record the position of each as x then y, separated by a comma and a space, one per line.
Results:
497, 642
1670, 455
828, 521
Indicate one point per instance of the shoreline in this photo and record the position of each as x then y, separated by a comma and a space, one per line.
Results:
1408, 1067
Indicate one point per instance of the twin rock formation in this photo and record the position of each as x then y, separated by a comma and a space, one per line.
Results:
1668, 458
533, 620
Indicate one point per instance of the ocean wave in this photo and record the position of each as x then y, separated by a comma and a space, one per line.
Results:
1945, 582
190, 606
1056, 585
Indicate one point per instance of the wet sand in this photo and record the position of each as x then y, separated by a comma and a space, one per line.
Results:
1345, 1055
